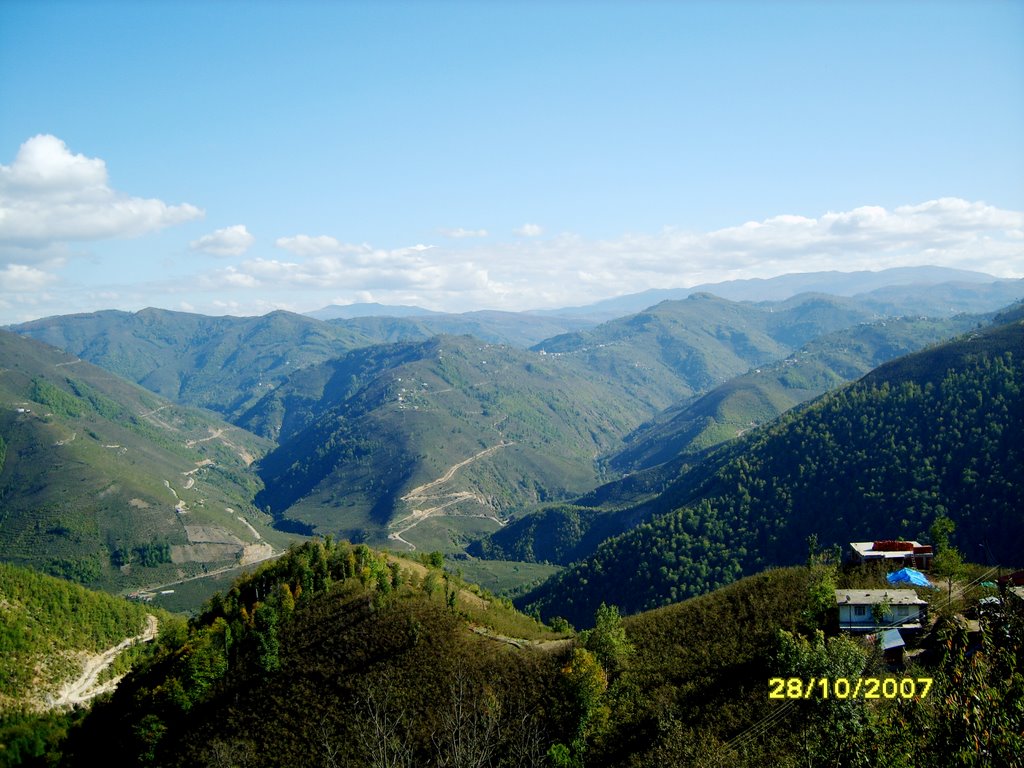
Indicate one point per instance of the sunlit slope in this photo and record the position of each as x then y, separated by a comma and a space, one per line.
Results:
387, 438
220, 363
760, 395
677, 349
108, 484
49, 628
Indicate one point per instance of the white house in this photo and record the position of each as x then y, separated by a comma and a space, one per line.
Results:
902, 609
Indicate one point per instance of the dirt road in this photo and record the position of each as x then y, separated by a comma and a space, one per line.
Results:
85, 687
441, 501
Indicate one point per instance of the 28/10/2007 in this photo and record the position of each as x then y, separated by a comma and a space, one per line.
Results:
849, 688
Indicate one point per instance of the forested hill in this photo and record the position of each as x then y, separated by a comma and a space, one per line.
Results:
337, 655
45, 623
935, 432
761, 394
331, 655
680, 348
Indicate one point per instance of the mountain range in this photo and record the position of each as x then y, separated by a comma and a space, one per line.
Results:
382, 430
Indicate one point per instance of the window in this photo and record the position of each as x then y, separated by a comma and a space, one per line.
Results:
860, 610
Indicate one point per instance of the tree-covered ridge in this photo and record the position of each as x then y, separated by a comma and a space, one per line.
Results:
44, 623
678, 349
931, 434
337, 655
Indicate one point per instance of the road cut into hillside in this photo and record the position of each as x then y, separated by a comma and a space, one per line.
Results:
86, 686
422, 494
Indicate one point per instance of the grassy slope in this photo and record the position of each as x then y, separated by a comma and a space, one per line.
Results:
96, 464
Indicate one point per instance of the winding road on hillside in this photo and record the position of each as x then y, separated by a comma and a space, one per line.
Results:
422, 494
86, 687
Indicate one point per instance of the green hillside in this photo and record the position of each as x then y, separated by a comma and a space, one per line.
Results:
227, 363
678, 349
387, 440
61, 646
220, 363
760, 395
331, 655
105, 483
47, 624
928, 434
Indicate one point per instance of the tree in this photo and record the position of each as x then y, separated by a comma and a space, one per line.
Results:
381, 731
469, 731
608, 641
947, 563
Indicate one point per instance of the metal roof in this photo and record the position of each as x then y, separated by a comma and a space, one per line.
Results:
877, 596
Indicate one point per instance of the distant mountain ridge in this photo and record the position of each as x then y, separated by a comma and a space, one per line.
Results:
364, 413
368, 309
220, 363
909, 280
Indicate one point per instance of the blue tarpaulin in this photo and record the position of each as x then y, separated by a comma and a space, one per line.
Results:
909, 576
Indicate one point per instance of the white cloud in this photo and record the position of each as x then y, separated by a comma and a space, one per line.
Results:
561, 270
20, 278
321, 245
529, 230
230, 241
461, 233
326, 264
49, 195
569, 269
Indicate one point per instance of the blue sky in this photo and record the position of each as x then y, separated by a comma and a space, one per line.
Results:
232, 157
